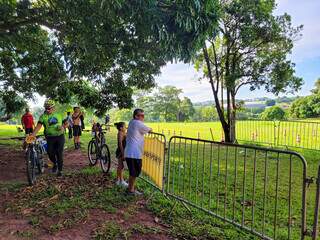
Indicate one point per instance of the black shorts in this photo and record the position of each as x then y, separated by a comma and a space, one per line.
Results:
76, 130
134, 166
28, 130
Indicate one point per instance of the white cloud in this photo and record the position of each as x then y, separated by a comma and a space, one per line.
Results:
185, 77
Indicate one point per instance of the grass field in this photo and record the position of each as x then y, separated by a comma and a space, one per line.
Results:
222, 179
296, 134
230, 181
181, 223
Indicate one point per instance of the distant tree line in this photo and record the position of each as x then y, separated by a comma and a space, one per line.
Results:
309, 106
165, 104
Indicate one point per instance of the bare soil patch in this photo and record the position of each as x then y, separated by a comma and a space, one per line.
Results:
76, 206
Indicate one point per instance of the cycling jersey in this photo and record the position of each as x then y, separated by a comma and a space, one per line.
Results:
52, 124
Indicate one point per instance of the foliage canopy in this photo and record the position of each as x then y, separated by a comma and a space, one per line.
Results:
96, 51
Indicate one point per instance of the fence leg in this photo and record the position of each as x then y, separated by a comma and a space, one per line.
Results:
211, 134
173, 207
316, 210
151, 196
183, 204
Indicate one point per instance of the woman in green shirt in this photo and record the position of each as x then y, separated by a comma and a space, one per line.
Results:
54, 128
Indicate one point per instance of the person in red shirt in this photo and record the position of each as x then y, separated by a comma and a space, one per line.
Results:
27, 122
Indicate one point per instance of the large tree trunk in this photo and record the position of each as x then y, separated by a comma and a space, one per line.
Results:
232, 120
224, 124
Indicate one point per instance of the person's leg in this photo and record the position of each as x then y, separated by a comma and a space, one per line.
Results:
134, 166
75, 136
132, 177
132, 181
52, 153
79, 135
137, 164
70, 132
120, 170
59, 151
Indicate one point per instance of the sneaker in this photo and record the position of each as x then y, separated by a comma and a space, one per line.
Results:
122, 183
54, 169
135, 193
59, 174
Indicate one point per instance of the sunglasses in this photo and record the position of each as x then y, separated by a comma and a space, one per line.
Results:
140, 115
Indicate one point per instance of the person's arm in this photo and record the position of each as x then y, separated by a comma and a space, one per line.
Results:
144, 129
121, 148
74, 117
65, 124
22, 123
37, 129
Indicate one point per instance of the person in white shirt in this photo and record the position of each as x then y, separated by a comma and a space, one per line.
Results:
134, 148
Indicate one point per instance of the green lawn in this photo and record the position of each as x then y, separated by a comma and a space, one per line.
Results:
253, 188
297, 134
221, 180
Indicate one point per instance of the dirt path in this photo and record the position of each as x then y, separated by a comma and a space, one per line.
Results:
13, 167
131, 221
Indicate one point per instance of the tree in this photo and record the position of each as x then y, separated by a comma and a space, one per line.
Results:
249, 48
316, 90
11, 104
305, 107
167, 102
186, 110
270, 102
122, 115
147, 103
50, 47
208, 114
273, 113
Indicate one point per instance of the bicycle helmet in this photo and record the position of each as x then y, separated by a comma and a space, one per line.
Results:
49, 103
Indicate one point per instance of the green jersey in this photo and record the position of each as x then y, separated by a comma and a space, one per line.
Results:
52, 124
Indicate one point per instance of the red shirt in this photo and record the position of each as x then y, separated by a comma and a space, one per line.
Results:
27, 120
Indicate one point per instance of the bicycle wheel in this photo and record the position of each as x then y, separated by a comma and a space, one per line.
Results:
105, 159
31, 166
92, 153
40, 163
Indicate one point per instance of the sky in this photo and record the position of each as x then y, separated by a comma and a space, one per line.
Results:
305, 54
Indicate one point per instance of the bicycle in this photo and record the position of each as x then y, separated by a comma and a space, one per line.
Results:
98, 149
34, 158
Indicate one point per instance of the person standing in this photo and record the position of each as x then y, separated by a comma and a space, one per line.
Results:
54, 128
76, 119
27, 122
121, 137
70, 124
134, 148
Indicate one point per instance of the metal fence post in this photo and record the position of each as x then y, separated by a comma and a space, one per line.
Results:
316, 210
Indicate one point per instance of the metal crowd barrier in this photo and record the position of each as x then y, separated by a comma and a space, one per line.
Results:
153, 162
298, 134
260, 190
